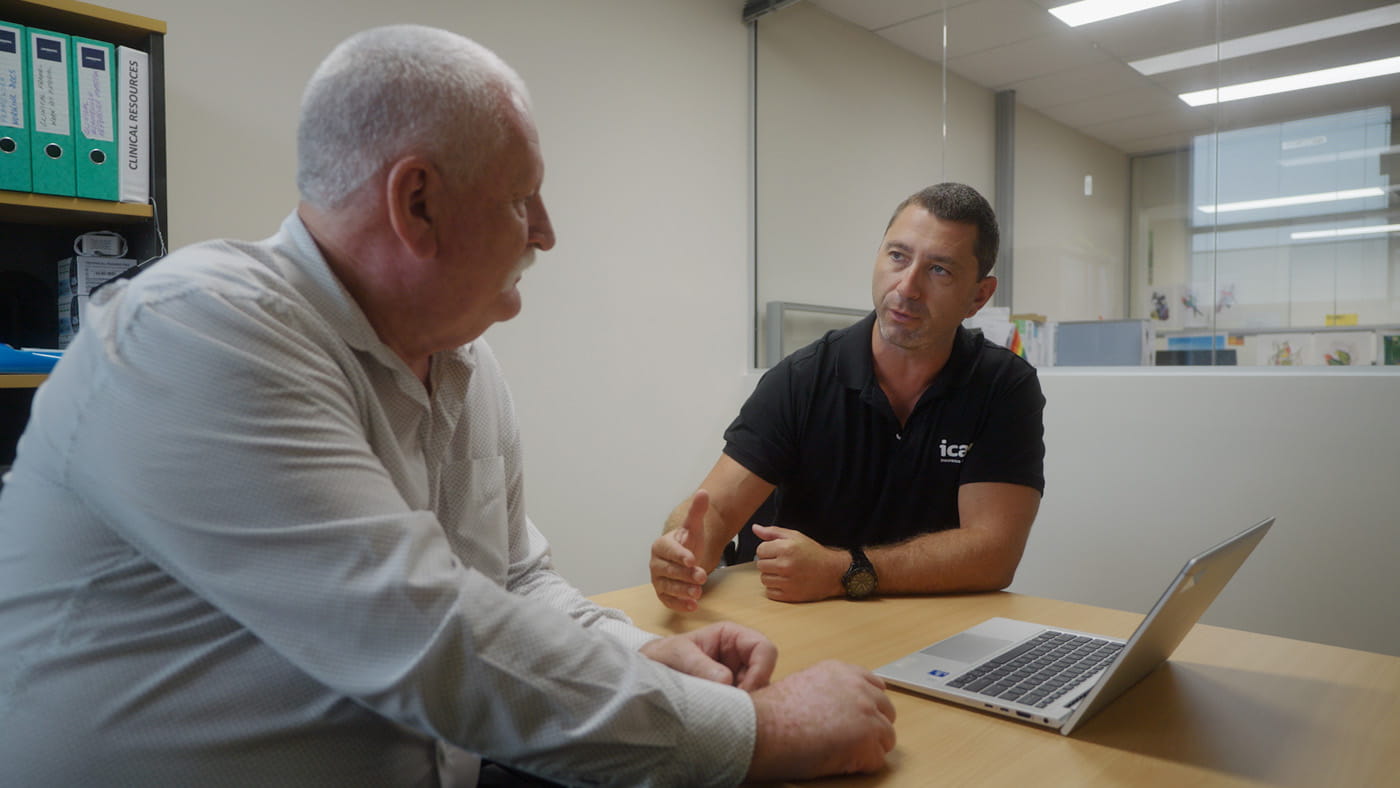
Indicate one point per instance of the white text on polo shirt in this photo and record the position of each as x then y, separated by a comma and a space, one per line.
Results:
953, 453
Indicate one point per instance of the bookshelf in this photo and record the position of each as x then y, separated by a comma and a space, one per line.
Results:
37, 230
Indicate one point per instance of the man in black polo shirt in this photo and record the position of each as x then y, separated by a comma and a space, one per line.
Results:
906, 451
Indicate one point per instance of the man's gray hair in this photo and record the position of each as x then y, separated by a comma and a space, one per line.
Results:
398, 90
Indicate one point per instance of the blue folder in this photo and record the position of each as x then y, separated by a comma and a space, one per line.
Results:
28, 361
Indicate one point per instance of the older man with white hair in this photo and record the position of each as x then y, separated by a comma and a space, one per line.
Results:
267, 524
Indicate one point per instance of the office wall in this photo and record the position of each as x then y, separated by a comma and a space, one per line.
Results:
630, 356
1070, 246
1161, 232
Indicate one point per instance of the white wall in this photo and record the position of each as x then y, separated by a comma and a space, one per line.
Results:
630, 356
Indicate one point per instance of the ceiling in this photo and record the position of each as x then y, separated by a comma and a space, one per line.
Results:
1081, 77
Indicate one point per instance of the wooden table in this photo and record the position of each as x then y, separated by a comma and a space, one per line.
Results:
1230, 707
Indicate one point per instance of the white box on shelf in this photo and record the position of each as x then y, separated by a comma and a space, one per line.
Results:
79, 274
72, 311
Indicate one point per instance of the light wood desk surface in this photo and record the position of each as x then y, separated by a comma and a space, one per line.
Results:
1229, 708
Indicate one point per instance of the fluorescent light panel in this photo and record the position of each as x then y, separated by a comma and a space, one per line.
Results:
1086, 11
1297, 199
1274, 39
1342, 232
1328, 158
1303, 81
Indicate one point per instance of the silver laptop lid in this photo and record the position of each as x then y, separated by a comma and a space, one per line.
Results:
1195, 587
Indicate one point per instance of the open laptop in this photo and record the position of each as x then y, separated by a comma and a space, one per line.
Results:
1059, 678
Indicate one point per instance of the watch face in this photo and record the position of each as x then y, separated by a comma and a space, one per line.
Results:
859, 582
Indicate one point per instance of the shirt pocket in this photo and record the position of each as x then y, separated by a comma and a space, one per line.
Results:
474, 514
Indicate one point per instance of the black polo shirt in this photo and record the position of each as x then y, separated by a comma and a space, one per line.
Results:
820, 428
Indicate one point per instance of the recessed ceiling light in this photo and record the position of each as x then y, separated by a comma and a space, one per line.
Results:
1086, 11
1308, 79
1274, 39
1342, 232
1297, 199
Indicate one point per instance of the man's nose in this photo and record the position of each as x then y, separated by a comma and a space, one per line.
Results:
909, 285
541, 230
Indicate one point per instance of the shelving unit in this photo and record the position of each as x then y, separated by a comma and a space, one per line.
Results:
37, 230
48, 209
21, 381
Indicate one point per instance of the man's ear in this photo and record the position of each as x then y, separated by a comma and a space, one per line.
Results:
985, 289
411, 190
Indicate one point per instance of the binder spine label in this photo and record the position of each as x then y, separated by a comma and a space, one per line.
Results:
133, 149
50, 86
11, 79
94, 92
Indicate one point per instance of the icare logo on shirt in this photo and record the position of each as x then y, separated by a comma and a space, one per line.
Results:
952, 452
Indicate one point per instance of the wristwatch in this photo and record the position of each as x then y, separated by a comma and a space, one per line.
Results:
860, 580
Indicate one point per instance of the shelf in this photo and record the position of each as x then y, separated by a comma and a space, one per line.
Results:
83, 18
38, 229
47, 209
1249, 332
11, 381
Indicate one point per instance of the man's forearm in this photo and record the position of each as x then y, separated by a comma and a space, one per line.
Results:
946, 561
982, 555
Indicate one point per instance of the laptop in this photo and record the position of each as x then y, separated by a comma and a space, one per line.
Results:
1058, 678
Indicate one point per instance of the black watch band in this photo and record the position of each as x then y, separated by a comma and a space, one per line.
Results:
859, 580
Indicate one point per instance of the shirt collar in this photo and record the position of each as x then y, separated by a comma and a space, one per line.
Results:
961, 363
855, 360
320, 286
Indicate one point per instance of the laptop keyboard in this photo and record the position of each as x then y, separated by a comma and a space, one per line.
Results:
1040, 670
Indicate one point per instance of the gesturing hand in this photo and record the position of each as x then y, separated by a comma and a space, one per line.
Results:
724, 652
676, 575
794, 568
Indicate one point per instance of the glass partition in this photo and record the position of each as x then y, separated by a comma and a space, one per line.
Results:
1173, 179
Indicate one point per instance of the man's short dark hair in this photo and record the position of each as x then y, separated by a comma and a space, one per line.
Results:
958, 202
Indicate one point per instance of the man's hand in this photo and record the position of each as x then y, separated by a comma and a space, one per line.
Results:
832, 718
676, 574
725, 653
794, 568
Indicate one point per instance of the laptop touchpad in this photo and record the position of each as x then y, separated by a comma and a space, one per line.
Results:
966, 647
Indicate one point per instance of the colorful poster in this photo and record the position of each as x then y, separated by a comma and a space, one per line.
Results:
1285, 350
1194, 307
1390, 349
1163, 309
1345, 348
